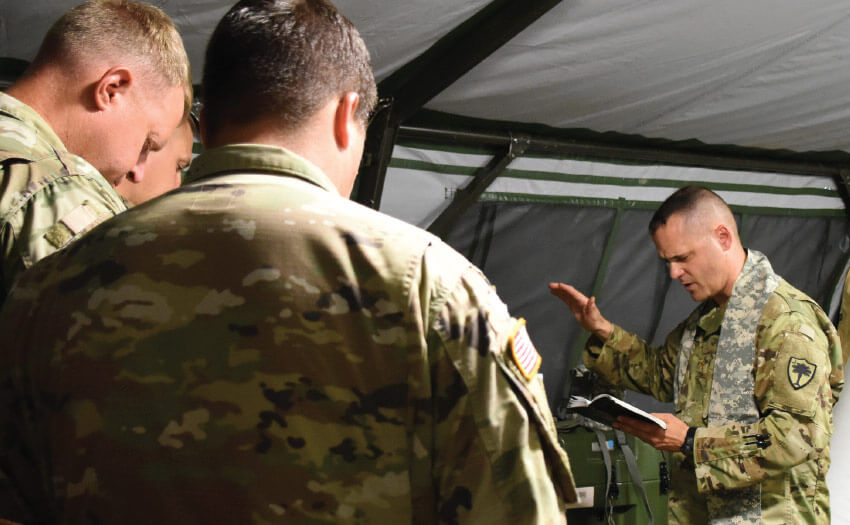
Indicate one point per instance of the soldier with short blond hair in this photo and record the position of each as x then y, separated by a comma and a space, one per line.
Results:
754, 372
110, 83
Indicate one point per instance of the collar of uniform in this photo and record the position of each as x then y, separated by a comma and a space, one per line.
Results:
17, 109
712, 317
256, 158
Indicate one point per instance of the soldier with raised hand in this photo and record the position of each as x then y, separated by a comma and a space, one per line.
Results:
253, 347
108, 85
754, 372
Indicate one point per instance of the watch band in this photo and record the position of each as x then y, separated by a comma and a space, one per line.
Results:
687, 447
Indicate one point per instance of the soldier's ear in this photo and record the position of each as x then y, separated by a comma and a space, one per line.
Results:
114, 83
723, 236
345, 120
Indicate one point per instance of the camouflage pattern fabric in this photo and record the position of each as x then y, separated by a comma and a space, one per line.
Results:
731, 399
798, 368
253, 348
48, 197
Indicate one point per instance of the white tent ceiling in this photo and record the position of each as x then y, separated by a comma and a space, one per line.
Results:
760, 73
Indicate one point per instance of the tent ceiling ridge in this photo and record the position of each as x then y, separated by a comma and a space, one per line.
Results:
600, 151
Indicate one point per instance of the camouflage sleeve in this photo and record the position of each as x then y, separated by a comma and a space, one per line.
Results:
44, 216
497, 458
626, 360
793, 396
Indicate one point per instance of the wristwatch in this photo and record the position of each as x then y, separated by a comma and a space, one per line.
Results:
687, 447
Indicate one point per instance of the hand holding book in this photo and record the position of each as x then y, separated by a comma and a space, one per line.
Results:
605, 408
663, 431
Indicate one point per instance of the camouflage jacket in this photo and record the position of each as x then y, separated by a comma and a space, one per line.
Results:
48, 197
254, 348
794, 405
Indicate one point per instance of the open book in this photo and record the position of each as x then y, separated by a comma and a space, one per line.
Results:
605, 408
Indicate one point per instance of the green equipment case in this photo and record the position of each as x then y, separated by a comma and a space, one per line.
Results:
626, 503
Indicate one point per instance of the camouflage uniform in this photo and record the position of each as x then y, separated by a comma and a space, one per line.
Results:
253, 348
49, 196
794, 406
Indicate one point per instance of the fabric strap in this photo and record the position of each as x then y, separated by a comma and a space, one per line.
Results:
606, 459
634, 471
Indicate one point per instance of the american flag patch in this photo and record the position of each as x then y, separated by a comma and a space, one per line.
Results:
523, 352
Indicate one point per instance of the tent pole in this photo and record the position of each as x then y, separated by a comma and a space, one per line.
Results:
426, 76
600, 275
460, 50
585, 149
377, 153
843, 178
464, 198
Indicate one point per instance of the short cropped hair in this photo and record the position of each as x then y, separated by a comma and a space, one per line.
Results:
684, 199
123, 29
283, 60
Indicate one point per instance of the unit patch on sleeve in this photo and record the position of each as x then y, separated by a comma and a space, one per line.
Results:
800, 372
523, 352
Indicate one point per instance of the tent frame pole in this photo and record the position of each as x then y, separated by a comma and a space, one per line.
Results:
586, 149
377, 152
599, 279
468, 195
843, 179
542, 144
426, 76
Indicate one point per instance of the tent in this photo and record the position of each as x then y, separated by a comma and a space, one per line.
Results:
537, 137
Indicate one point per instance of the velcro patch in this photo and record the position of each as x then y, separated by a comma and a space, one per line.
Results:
523, 352
80, 218
800, 372
58, 235
808, 331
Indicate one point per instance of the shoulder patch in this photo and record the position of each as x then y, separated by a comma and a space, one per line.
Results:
80, 218
523, 352
58, 235
808, 331
800, 372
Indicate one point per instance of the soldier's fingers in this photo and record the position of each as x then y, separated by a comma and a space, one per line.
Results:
590, 306
574, 299
648, 432
565, 291
625, 424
